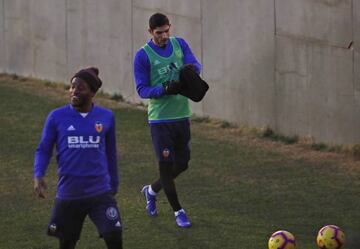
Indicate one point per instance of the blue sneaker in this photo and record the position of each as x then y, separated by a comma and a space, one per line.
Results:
181, 219
150, 201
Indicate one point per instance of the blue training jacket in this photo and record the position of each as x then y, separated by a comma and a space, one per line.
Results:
86, 152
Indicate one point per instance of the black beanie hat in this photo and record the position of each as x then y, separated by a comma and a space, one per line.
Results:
90, 76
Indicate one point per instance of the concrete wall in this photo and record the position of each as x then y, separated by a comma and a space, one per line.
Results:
293, 65
2, 37
238, 59
356, 47
315, 70
99, 33
18, 47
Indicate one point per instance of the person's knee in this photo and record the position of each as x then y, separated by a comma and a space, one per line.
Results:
179, 168
165, 169
165, 165
113, 240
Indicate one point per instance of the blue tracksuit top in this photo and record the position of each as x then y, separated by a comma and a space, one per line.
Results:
142, 67
86, 152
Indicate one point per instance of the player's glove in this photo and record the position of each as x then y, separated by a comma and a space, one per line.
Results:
188, 67
172, 87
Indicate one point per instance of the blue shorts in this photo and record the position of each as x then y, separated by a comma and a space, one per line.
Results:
171, 141
68, 216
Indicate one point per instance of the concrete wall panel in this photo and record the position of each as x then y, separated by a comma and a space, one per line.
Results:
314, 91
185, 8
3, 66
238, 59
332, 97
49, 39
356, 48
357, 76
99, 34
18, 37
292, 86
356, 66
321, 21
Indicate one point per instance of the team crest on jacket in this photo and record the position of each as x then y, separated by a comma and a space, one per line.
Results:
98, 127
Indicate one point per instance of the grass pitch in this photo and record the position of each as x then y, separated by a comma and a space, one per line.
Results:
238, 189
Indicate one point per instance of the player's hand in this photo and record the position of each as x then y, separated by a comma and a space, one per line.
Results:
40, 187
172, 87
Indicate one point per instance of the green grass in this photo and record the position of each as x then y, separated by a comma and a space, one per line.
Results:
235, 192
268, 133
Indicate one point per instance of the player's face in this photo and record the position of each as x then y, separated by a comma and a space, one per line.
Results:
160, 35
80, 93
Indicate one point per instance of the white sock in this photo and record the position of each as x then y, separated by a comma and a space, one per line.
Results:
151, 191
177, 212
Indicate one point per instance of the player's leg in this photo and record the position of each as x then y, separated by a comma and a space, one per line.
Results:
182, 157
174, 145
177, 169
164, 137
67, 244
167, 182
66, 222
182, 148
105, 214
182, 153
162, 144
113, 240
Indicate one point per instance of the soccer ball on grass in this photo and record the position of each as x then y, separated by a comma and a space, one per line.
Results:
282, 240
330, 237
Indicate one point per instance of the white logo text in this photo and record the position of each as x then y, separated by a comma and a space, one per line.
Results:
81, 142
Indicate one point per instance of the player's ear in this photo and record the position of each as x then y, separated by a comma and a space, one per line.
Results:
150, 31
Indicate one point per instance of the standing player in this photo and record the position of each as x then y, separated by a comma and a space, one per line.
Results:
156, 64
84, 135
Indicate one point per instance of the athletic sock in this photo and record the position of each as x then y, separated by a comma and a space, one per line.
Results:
151, 191
177, 212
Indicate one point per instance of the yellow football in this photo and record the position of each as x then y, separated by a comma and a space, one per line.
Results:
330, 237
282, 240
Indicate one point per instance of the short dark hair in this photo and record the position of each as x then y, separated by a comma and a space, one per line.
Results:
158, 20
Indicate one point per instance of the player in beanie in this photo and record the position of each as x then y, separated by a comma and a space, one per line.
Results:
84, 135
155, 65
90, 76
